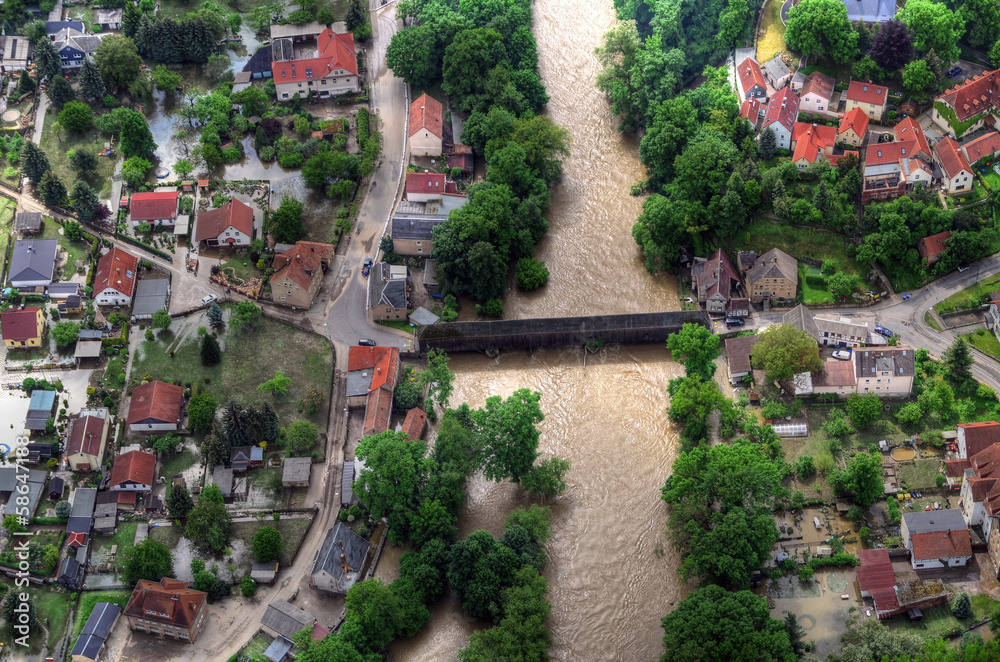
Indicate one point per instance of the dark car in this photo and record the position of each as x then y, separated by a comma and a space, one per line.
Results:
368, 266
883, 331
734, 321
367, 342
954, 72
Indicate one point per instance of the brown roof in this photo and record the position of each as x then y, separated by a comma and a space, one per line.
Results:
750, 109
986, 461
303, 257
933, 245
166, 601
882, 153
20, 325
951, 159
867, 93
941, 544
738, 352
974, 96
819, 84
985, 145
855, 119
835, 373
750, 75
714, 275
425, 114
981, 487
135, 467
154, 206
980, 436
116, 269
956, 468
212, 223
774, 264
378, 409
85, 436
782, 108
155, 400
413, 426
875, 576
382, 360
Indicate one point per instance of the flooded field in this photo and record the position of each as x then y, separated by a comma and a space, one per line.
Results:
819, 605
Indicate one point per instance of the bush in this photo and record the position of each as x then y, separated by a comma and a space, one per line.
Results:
248, 587
864, 534
940, 480
805, 467
492, 308
962, 607
531, 274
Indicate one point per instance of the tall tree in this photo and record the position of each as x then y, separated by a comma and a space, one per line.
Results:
48, 63
958, 362
91, 83
85, 201
506, 436
982, 20
208, 525
618, 55
210, 352
733, 23
34, 162
393, 471
286, 220
821, 26
179, 503
697, 348
892, 46
267, 544
796, 634
60, 91
52, 190
136, 138
768, 143
118, 61
784, 351
150, 560
412, 55
25, 84
934, 27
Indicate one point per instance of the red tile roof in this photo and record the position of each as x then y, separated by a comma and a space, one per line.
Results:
85, 436
77, 539
941, 544
783, 108
811, 139
908, 129
933, 245
426, 115
875, 577
154, 206
158, 401
127, 498
135, 467
117, 270
750, 75
378, 410
750, 109
956, 468
980, 436
952, 161
334, 51
819, 84
981, 487
383, 361
854, 119
863, 92
413, 426
214, 222
835, 373
19, 325
881, 153
302, 257
424, 182
974, 96
166, 601
834, 159
985, 145
986, 461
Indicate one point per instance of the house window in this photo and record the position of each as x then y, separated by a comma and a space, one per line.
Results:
285, 94
309, 73
420, 250
282, 298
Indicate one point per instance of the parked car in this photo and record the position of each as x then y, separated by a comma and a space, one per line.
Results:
368, 266
367, 342
954, 72
209, 299
883, 331
734, 321
842, 355
963, 267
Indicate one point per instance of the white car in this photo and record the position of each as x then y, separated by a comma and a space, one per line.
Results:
209, 299
841, 354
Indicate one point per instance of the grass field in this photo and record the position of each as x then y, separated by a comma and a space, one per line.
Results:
168, 535
6, 228
52, 608
56, 147
991, 179
938, 620
810, 280
246, 362
773, 40
124, 537
254, 651
970, 296
919, 475
87, 602
293, 532
800, 242
985, 342
931, 321
115, 367
397, 324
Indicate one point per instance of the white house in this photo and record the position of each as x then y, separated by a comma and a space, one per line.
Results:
426, 126
114, 283
157, 208
155, 406
228, 225
957, 173
424, 186
816, 93
782, 110
936, 539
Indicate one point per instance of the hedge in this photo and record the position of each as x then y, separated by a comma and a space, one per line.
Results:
145, 247
116, 341
834, 561
49, 520
364, 130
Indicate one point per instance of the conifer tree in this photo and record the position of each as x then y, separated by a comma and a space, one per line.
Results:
210, 353
91, 84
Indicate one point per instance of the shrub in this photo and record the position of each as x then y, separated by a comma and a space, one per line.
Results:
531, 274
248, 587
962, 607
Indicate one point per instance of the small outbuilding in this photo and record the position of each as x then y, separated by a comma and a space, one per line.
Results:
264, 573
296, 472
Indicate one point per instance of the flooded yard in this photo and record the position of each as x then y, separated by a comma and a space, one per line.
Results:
818, 604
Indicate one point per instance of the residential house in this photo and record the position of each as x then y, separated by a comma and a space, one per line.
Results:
774, 276
132, 472
223, 478
908, 129
776, 72
108, 19
936, 539
387, 292
974, 438
167, 608
74, 46
282, 619
72, 569
298, 273
751, 81
52, 28
930, 248
295, 472
884, 371
32, 264
41, 407
840, 332
413, 223
22, 328
151, 295
982, 148
713, 279
424, 186
17, 51
872, 99
96, 630
378, 411
106, 513
752, 110
265, 573
259, 64
980, 495
298, 33
780, 115
57, 291
892, 169
876, 579
157, 209
811, 142
738, 355
332, 69
340, 561
71, 305
114, 283
738, 307
244, 457
853, 128
87, 438
836, 378
413, 424
228, 225
816, 93
27, 223
155, 406
426, 126
368, 369
975, 99
957, 173
870, 11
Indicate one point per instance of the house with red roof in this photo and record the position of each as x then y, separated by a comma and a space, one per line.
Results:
414, 424
378, 411
228, 225
872, 99
892, 169
974, 438
22, 328
167, 609
956, 172
750, 110
426, 126
713, 279
298, 273
87, 438
811, 142
930, 248
368, 369
133, 472
983, 148
330, 70
157, 209
976, 98
751, 80
877, 581
780, 115
817, 91
908, 129
117, 273
980, 495
424, 186
155, 406
936, 539
853, 128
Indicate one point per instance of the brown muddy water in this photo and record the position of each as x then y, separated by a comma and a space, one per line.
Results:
612, 575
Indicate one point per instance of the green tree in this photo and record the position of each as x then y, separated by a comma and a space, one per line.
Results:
768, 143
393, 471
52, 190
253, 100
301, 436
413, 55
733, 24
784, 351
267, 544
208, 525
60, 91
166, 80
201, 411
917, 77
714, 625
183, 168
215, 315
286, 221
118, 61
467, 62
437, 378
864, 409
531, 274
934, 28
161, 320
843, 285
248, 587
547, 477
804, 467
179, 502
48, 63
210, 352
696, 347
91, 84
995, 54
63, 509
865, 473
65, 333
407, 395
867, 69
506, 436
72, 230
962, 607
34, 162
277, 385
957, 366
25, 84
892, 46
821, 26
692, 400
521, 634
83, 161
14, 610
836, 424
85, 201
217, 67
982, 19
910, 414
134, 170
796, 634
150, 560
136, 138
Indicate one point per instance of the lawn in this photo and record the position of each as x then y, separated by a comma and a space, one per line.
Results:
52, 608
991, 179
931, 321
124, 537
800, 242
254, 651
293, 532
242, 268
920, 474
970, 297
115, 367
56, 147
984, 341
978, 193
773, 40
938, 620
175, 463
813, 285
397, 324
168, 535
77, 251
303, 357
6, 229
87, 602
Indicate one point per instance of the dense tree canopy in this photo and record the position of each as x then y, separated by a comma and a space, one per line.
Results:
821, 26
149, 560
934, 27
118, 61
697, 347
393, 470
892, 46
506, 436
784, 351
